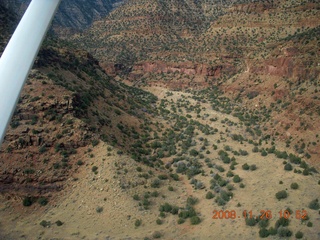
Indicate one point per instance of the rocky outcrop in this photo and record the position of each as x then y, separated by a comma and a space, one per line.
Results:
182, 68
191, 69
251, 8
290, 63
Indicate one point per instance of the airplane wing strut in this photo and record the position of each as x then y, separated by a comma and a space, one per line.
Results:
19, 55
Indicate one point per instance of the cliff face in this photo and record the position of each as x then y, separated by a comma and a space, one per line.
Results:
185, 68
158, 67
296, 57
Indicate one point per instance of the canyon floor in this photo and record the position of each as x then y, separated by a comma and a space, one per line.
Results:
95, 204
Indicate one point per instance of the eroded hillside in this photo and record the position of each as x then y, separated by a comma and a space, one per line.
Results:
262, 54
67, 104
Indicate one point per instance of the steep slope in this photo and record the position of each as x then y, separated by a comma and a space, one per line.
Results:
59, 114
143, 29
7, 19
72, 15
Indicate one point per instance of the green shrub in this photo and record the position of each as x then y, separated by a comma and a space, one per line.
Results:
136, 197
14, 124
263, 233
163, 176
305, 172
29, 171
309, 224
288, 167
155, 183
45, 223
281, 195
162, 214
255, 149
165, 207
174, 176
253, 167
220, 201
220, 168
263, 223
99, 209
192, 201
187, 213
243, 152
154, 194
159, 221
95, 142
264, 153
245, 166
282, 222
314, 204
193, 152
294, 185
284, 232
294, 159
195, 220
304, 165
230, 174
42, 149
272, 231
282, 155
230, 187
59, 223
209, 195
156, 234
174, 210
226, 195
181, 220
94, 168
80, 163
251, 221
299, 235
43, 201
138, 222
236, 179
312, 169
56, 165
146, 203
27, 201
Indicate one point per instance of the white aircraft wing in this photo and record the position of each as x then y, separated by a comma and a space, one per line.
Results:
19, 55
